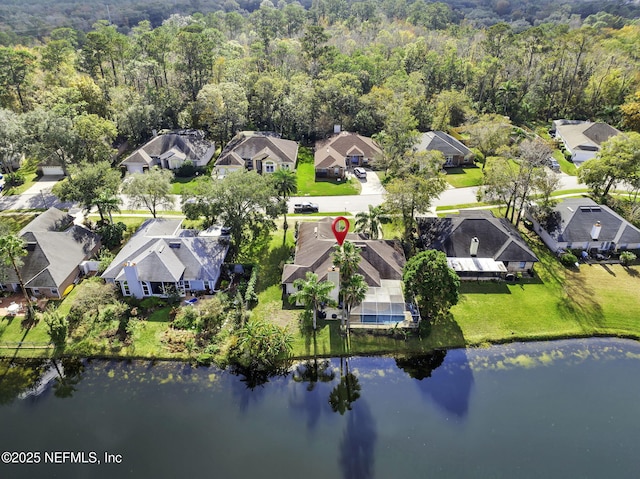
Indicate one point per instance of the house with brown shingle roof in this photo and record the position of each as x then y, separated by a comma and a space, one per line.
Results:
454, 151
171, 150
381, 264
582, 138
56, 247
334, 156
262, 151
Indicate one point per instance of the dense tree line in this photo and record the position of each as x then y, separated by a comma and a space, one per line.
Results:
75, 94
22, 22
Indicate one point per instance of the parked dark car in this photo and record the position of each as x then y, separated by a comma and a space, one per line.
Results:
305, 207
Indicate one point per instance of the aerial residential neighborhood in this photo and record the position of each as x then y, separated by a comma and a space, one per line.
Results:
348, 239
200, 163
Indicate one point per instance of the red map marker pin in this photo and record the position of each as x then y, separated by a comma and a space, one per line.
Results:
340, 231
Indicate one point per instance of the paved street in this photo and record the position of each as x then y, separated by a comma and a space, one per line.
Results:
39, 196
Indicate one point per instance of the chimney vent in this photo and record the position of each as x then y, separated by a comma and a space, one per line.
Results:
473, 249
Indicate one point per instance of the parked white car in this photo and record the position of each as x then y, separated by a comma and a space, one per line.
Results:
360, 172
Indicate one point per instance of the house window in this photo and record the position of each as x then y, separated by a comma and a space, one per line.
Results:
355, 160
187, 284
269, 167
523, 264
145, 289
448, 160
285, 166
125, 289
35, 291
54, 291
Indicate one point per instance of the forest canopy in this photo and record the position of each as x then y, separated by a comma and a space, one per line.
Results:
385, 68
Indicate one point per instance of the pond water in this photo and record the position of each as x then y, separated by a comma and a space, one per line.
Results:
563, 409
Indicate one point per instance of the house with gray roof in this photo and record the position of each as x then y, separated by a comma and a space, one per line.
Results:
381, 264
161, 258
582, 224
582, 138
170, 150
264, 152
477, 244
454, 151
334, 156
56, 247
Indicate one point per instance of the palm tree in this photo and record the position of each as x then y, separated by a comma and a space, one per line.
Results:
312, 292
369, 222
107, 204
353, 290
347, 258
12, 249
285, 182
346, 392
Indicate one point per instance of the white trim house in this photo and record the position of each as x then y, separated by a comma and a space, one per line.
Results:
162, 258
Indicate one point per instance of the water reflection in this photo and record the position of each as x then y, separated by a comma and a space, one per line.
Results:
171, 419
18, 377
347, 391
447, 383
357, 447
313, 370
311, 402
69, 372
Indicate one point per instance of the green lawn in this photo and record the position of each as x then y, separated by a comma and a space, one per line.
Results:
596, 299
308, 186
29, 179
464, 177
16, 221
576, 191
565, 165
461, 206
182, 186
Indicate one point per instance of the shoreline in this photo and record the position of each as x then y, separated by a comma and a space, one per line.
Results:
382, 352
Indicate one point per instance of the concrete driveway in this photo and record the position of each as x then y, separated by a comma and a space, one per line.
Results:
37, 196
371, 184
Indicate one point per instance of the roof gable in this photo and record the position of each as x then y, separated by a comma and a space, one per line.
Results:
182, 144
55, 248
572, 221
585, 135
314, 248
498, 239
258, 145
339, 146
162, 253
443, 142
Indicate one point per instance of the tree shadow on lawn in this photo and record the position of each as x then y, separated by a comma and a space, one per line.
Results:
484, 287
631, 271
608, 270
271, 267
579, 304
446, 333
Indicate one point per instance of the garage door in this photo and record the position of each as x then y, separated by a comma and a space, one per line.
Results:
52, 171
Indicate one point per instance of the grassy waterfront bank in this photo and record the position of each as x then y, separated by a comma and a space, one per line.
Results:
594, 300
